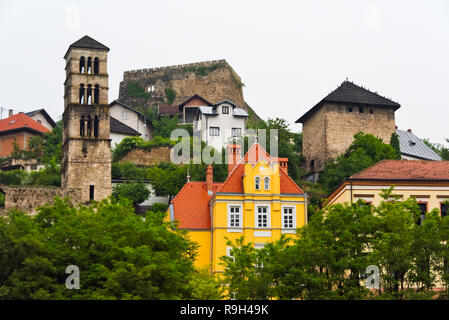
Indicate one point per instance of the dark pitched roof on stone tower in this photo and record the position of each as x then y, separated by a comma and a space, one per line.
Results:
351, 93
87, 42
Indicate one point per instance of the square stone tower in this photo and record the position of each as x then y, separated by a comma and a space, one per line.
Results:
86, 159
328, 128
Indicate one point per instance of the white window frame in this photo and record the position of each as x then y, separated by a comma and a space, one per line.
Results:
223, 109
256, 216
228, 253
269, 183
240, 214
217, 130
255, 179
283, 214
234, 130
124, 115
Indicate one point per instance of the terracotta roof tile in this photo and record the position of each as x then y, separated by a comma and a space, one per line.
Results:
405, 170
287, 183
21, 120
191, 205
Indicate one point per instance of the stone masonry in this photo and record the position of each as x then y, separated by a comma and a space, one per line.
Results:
213, 80
147, 158
28, 199
329, 131
86, 162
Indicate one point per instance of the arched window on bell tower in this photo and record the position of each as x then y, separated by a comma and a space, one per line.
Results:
96, 124
82, 94
82, 126
89, 94
89, 65
82, 64
96, 66
97, 94
89, 126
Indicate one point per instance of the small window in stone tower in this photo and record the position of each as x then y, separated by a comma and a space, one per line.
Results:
91, 193
96, 123
151, 88
96, 94
82, 64
89, 94
89, 126
312, 165
82, 93
82, 126
361, 109
89, 65
96, 66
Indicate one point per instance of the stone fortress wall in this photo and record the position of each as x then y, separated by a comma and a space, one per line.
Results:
213, 80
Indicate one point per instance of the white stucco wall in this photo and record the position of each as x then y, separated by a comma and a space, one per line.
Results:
132, 120
116, 138
223, 121
39, 117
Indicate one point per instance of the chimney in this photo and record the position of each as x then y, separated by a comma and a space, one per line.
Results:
234, 155
209, 179
11, 112
283, 162
409, 130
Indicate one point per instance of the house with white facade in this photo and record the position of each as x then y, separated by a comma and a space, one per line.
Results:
120, 131
219, 123
132, 118
41, 116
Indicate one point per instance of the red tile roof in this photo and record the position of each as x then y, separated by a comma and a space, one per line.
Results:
287, 183
19, 121
191, 205
414, 170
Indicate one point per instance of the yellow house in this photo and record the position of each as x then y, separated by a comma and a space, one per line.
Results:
258, 200
426, 181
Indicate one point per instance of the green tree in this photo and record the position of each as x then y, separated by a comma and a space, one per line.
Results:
439, 148
394, 143
120, 255
364, 151
137, 192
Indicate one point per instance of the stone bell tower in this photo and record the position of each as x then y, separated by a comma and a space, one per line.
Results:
86, 151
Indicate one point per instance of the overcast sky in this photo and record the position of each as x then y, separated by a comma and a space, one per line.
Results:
289, 54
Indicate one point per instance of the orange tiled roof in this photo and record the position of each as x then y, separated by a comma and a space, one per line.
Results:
405, 170
21, 120
191, 205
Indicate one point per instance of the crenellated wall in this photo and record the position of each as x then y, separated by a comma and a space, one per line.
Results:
213, 80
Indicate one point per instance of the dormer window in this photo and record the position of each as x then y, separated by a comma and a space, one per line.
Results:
225, 110
266, 183
257, 183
